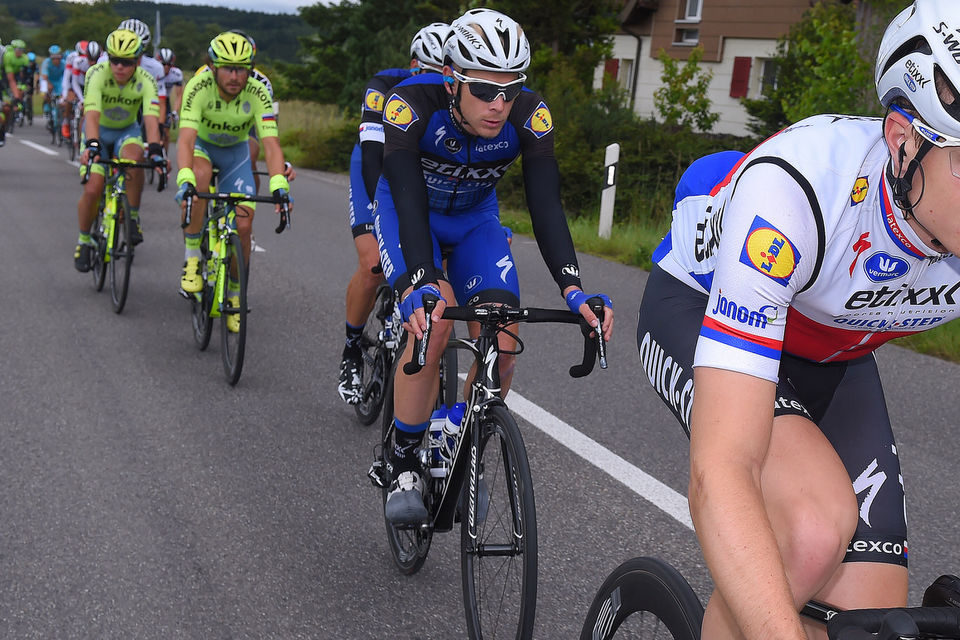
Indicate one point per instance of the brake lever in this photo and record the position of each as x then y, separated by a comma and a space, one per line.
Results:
419, 357
591, 346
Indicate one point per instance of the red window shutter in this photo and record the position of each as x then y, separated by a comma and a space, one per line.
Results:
610, 70
740, 83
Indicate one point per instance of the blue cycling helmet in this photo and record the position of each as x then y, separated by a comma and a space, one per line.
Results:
54, 50
31, 56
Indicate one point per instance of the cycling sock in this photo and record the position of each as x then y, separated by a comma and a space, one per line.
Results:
84, 238
192, 242
352, 345
134, 213
233, 287
406, 439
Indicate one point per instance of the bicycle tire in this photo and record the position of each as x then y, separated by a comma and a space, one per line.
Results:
232, 344
121, 255
99, 264
409, 547
202, 302
377, 358
499, 569
656, 599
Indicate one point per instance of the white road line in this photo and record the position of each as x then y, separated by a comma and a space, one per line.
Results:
40, 148
634, 478
643, 484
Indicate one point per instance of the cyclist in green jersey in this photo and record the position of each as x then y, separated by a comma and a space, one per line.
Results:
217, 112
115, 90
13, 60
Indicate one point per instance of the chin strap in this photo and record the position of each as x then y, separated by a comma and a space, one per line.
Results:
455, 107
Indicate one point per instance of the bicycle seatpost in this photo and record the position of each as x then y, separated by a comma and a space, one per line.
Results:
419, 357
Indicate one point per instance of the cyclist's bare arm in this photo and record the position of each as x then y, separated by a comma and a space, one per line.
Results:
152, 125
185, 141
273, 155
91, 131
731, 427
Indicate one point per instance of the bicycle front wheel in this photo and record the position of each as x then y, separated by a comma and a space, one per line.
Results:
499, 565
121, 255
233, 315
644, 598
377, 357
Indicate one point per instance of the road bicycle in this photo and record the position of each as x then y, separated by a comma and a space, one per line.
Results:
76, 124
480, 477
648, 598
112, 229
222, 260
52, 113
382, 341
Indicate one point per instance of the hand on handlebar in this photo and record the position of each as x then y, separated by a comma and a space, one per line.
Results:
578, 302
411, 308
185, 191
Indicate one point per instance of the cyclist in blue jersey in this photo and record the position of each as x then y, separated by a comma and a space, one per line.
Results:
448, 140
366, 162
51, 79
783, 271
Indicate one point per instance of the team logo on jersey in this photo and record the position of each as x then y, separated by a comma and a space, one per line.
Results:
770, 252
399, 114
881, 267
472, 283
373, 101
540, 123
246, 106
859, 193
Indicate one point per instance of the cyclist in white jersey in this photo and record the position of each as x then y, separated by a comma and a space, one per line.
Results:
783, 270
81, 64
173, 83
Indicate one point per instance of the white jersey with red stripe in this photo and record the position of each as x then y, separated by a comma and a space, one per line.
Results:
802, 251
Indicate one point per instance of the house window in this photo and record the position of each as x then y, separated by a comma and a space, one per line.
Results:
619, 70
687, 37
740, 82
768, 77
692, 10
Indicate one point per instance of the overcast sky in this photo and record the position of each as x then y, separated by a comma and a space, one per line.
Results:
266, 6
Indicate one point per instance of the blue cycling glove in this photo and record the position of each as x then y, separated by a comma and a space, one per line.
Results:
577, 297
414, 300
186, 190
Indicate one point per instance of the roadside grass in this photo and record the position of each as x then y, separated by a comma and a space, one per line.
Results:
322, 136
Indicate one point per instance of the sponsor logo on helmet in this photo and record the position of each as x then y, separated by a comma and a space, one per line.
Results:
859, 192
373, 101
399, 114
914, 74
881, 267
540, 122
907, 80
949, 39
770, 252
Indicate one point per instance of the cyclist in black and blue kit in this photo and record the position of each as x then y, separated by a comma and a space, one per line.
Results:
448, 140
366, 162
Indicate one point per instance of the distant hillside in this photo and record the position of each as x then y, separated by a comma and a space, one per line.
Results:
276, 34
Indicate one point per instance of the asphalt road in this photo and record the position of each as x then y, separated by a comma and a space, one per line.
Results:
142, 497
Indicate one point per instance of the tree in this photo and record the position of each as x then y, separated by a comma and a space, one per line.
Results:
682, 99
83, 22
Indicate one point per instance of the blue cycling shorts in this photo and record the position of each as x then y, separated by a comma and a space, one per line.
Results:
480, 266
361, 209
111, 141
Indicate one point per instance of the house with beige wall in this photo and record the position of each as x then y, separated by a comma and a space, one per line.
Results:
738, 37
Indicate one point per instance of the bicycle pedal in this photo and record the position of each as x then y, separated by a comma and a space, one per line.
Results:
378, 474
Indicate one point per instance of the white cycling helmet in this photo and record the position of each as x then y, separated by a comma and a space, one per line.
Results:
427, 45
138, 27
165, 56
918, 51
487, 40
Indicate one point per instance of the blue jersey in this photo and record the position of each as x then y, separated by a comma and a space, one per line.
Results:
53, 72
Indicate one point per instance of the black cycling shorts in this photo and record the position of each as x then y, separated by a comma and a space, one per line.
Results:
844, 399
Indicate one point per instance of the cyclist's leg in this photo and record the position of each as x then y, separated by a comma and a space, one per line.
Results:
362, 288
190, 278
86, 213
236, 175
482, 271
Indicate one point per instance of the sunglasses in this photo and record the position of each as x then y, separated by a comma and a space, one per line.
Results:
233, 68
927, 132
123, 62
489, 91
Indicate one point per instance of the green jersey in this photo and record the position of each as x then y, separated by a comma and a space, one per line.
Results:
12, 63
118, 104
225, 123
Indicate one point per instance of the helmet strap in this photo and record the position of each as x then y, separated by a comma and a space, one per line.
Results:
454, 100
902, 185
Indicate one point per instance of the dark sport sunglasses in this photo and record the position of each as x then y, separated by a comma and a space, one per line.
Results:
123, 62
489, 91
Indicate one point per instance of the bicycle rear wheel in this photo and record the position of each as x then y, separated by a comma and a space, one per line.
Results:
499, 567
232, 343
97, 256
409, 546
377, 357
644, 598
202, 302
121, 255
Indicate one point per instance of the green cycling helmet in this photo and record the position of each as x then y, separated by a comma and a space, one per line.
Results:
230, 50
124, 43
